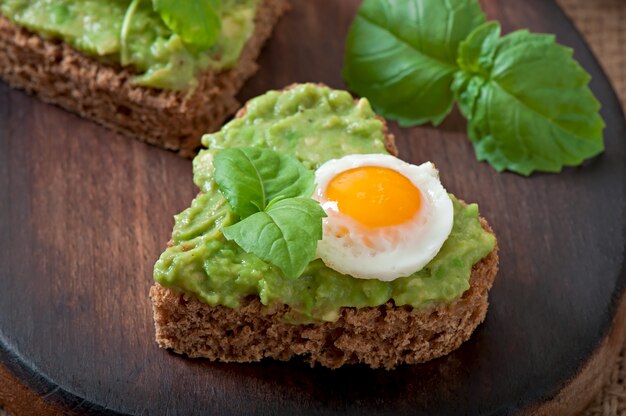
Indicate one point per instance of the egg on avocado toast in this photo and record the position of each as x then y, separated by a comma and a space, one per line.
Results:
310, 238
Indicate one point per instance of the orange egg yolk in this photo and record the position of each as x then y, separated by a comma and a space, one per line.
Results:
375, 196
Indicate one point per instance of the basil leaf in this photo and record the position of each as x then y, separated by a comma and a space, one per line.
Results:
527, 101
285, 234
249, 178
401, 55
197, 22
270, 192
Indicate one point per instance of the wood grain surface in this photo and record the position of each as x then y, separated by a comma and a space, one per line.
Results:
84, 214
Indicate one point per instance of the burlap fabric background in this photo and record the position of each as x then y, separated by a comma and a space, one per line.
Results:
603, 24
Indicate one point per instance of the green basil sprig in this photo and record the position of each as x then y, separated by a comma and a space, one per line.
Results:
270, 192
527, 101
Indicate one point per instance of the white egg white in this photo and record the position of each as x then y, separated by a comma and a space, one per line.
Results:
384, 253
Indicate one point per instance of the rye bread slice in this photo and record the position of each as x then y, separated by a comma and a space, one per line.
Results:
384, 336
175, 120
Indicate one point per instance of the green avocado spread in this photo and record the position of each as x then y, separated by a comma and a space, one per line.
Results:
314, 124
158, 56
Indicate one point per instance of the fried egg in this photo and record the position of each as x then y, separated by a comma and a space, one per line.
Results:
385, 218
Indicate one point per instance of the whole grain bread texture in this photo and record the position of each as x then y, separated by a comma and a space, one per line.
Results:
175, 120
385, 336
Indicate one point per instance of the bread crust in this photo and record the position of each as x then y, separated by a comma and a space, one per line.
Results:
384, 336
175, 120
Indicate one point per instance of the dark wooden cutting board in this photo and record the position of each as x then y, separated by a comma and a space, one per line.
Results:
84, 214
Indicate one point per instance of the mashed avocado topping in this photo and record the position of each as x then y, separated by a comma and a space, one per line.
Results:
158, 56
314, 124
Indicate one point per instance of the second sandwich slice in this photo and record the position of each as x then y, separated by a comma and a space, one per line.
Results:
163, 72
